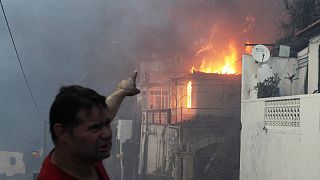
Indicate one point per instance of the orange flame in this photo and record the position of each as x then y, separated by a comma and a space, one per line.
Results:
189, 92
248, 48
193, 69
225, 63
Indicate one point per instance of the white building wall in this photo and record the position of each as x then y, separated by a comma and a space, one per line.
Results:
280, 137
302, 71
11, 168
279, 153
285, 67
154, 149
254, 72
313, 64
249, 77
161, 147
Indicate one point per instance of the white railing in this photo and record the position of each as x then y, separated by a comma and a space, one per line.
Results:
282, 112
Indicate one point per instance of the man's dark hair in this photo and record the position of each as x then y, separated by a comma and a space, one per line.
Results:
68, 102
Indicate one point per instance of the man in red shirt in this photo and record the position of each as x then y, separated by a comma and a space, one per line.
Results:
80, 128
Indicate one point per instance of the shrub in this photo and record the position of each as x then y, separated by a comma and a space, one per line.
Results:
269, 87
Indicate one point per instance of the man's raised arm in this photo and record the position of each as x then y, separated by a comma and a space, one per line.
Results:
125, 88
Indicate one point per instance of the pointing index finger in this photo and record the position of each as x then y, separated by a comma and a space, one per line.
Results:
135, 76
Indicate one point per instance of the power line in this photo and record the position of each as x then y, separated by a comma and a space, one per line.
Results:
21, 67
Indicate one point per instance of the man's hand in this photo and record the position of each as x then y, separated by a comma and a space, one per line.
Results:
128, 86
125, 88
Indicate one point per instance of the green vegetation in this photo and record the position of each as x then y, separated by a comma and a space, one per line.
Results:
269, 87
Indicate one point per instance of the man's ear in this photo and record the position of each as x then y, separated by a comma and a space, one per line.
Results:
61, 133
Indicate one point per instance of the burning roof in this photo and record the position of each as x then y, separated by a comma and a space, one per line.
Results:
217, 61
197, 75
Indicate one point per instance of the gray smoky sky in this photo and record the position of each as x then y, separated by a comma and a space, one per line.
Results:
97, 43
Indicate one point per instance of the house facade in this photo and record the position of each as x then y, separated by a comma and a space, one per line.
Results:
11, 163
280, 137
190, 125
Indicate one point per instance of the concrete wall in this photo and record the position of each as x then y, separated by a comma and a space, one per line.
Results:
249, 77
285, 67
277, 152
157, 150
313, 65
212, 94
302, 71
280, 137
11, 163
219, 95
254, 72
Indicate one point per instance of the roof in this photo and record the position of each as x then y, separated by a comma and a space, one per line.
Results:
210, 76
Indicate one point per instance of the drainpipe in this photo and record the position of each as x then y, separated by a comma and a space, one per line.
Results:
319, 69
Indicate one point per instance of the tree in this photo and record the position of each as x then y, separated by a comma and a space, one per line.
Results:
301, 13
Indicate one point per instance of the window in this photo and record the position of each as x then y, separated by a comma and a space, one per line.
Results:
13, 161
158, 98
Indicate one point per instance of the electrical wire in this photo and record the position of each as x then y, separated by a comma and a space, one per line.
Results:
21, 67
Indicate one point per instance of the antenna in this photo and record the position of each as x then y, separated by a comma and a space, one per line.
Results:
260, 53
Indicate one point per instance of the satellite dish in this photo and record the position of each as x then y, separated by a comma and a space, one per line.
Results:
260, 53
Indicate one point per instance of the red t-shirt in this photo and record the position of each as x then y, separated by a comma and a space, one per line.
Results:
50, 171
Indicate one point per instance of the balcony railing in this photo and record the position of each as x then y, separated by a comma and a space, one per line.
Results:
180, 115
161, 116
282, 112
293, 113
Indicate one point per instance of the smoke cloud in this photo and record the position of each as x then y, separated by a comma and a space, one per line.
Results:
96, 43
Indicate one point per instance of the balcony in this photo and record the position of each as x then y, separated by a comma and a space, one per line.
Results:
181, 115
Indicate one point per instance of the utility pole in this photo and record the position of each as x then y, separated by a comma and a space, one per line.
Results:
44, 151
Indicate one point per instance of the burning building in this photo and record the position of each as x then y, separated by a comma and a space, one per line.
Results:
190, 127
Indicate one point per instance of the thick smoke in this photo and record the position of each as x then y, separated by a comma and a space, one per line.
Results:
98, 42
168, 28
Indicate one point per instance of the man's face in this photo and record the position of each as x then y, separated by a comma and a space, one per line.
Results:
91, 139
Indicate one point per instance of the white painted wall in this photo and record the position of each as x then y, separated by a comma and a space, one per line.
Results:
249, 77
285, 67
271, 152
161, 142
280, 153
7, 168
256, 72
302, 70
313, 64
